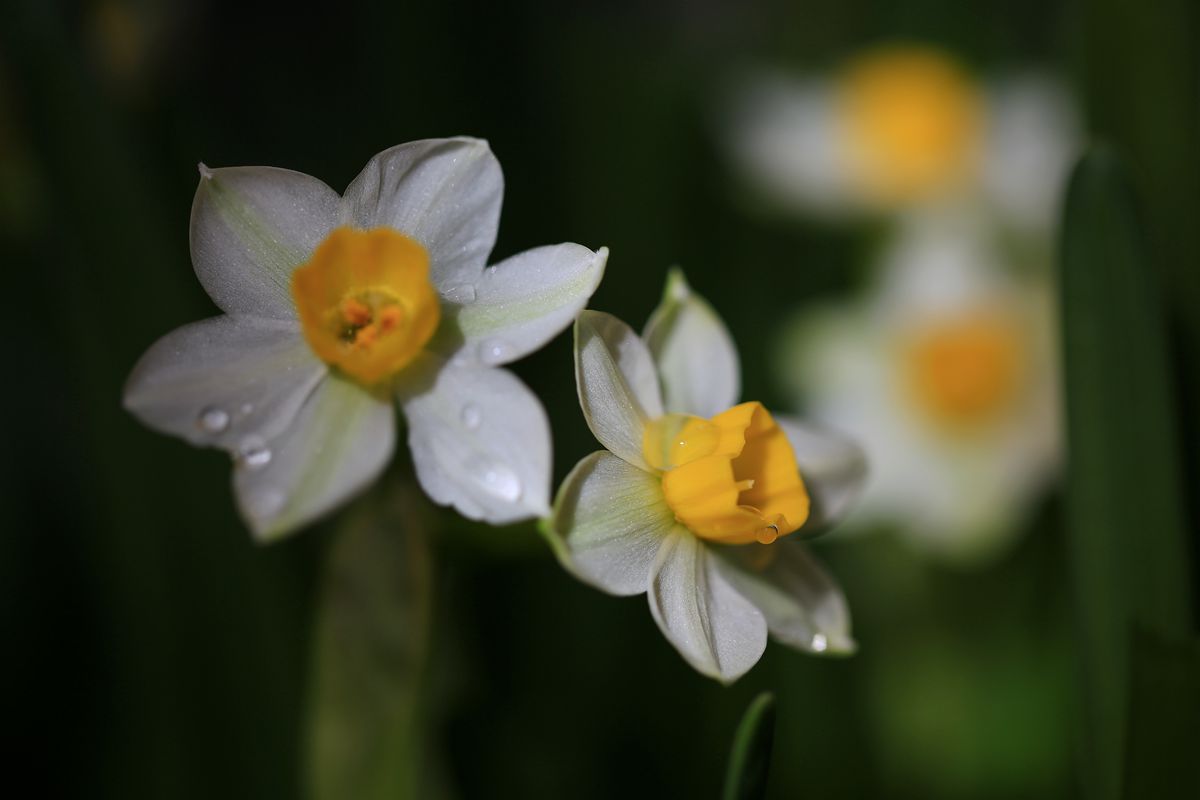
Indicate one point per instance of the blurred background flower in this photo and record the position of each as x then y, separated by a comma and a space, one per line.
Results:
944, 363
944, 369
902, 125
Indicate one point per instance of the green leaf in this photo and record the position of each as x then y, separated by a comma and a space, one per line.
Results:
750, 760
1126, 529
1164, 724
372, 633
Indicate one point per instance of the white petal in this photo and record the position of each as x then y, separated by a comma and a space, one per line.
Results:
617, 382
718, 631
1032, 139
696, 358
251, 227
216, 381
519, 304
480, 440
338, 444
609, 520
803, 605
445, 193
833, 466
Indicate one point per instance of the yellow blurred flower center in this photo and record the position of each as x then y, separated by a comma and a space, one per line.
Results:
365, 302
733, 478
965, 372
913, 122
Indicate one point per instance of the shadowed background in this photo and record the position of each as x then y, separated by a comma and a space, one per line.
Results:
152, 650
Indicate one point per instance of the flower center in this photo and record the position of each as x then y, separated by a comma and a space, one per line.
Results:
913, 123
365, 302
733, 478
962, 373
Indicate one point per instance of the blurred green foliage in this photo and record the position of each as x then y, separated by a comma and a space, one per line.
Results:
154, 651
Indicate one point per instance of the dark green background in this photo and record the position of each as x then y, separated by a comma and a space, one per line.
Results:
151, 649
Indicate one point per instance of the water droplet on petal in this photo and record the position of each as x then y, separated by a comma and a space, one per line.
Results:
499, 480
254, 453
213, 420
495, 351
819, 643
462, 293
490, 271
471, 416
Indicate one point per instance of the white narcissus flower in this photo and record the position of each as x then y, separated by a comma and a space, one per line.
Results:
946, 373
902, 125
336, 308
693, 492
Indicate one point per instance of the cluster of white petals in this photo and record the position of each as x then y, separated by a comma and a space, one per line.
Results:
612, 526
305, 437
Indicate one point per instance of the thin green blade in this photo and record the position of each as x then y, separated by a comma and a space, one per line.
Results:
1126, 529
750, 760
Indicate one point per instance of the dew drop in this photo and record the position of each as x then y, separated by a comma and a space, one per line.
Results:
490, 271
254, 453
819, 643
495, 351
499, 480
213, 420
471, 416
462, 293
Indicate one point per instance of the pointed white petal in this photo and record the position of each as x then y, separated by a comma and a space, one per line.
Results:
338, 444
834, 469
617, 381
519, 304
216, 381
609, 520
803, 605
696, 358
480, 439
445, 193
251, 227
718, 631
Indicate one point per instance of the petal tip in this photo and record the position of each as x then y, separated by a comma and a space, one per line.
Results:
206, 172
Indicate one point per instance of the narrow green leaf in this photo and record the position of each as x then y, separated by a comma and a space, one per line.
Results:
1164, 719
371, 640
1126, 529
750, 760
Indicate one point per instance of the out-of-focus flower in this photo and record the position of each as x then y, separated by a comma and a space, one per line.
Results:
902, 125
336, 307
689, 499
946, 373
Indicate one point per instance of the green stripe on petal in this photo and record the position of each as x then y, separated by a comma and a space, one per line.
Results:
617, 382
716, 629
803, 605
251, 227
339, 443
608, 523
519, 304
697, 360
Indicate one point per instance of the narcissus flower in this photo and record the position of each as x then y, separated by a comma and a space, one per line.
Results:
901, 125
946, 373
336, 308
699, 502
